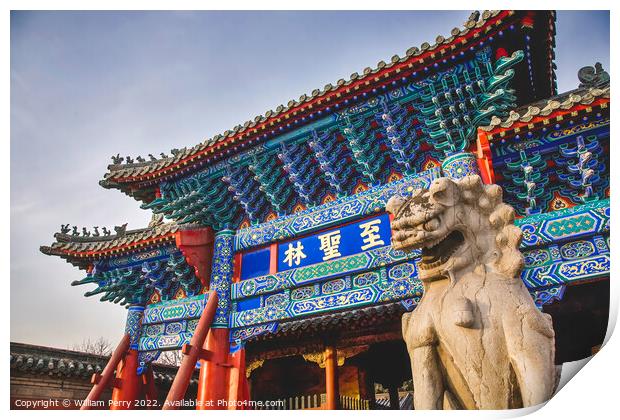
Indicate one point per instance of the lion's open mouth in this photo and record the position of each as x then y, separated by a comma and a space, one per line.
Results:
440, 252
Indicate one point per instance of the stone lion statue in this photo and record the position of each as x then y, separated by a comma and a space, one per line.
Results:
476, 340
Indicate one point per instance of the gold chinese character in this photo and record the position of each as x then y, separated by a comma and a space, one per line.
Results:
329, 245
294, 254
370, 234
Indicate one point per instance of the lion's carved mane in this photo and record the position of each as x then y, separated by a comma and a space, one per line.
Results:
476, 339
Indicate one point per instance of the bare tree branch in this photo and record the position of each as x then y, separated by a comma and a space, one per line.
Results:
171, 358
99, 347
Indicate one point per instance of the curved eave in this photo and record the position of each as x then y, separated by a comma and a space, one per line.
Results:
146, 194
542, 113
139, 179
82, 253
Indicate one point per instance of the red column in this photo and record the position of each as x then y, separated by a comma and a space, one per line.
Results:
237, 382
484, 156
331, 378
128, 385
213, 379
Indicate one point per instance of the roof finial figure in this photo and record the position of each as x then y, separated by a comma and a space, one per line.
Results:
64, 229
151, 157
140, 159
176, 152
120, 230
593, 77
106, 231
75, 231
128, 159
163, 155
117, 160
96, 229
85, 232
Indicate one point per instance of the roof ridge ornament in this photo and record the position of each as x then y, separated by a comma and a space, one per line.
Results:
121, 230
66, 231
118, 159
593, 76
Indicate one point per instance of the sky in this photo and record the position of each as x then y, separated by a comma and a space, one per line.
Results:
88, 85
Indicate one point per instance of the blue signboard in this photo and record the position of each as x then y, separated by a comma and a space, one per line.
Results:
255, 263
335, 243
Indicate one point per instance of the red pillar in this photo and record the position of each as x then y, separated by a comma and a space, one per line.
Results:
128, 384
213, 379
237, 382
331, 378
484, 157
